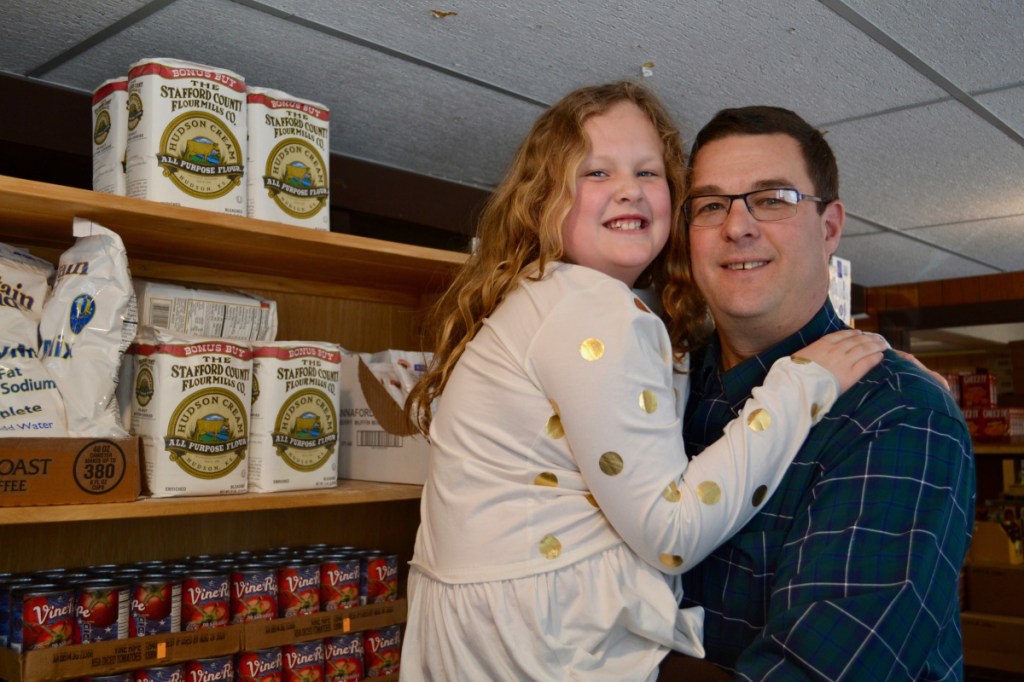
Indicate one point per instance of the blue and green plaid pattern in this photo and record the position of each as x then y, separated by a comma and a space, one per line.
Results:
851, 569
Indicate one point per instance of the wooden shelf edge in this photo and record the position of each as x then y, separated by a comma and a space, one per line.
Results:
347, 492
1012, 448
40, 214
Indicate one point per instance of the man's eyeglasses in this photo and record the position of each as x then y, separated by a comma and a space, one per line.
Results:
711, 210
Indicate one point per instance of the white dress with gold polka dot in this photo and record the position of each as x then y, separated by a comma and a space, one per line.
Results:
559, 505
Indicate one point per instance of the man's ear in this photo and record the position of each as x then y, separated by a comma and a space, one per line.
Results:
833, 220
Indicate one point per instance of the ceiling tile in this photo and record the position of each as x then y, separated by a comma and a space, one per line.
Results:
887, 258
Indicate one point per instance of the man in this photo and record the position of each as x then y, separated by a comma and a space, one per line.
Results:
851, 569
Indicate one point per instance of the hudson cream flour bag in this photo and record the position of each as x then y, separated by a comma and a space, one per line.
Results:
186, 135
110, 136
289, 155
294, 432
191, 408
30, 404
87, 324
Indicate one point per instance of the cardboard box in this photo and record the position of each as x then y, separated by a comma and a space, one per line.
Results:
106, 658
978, 390
375, 440
68, 470
992, 641
996, 588
995, 424
268, 633
991, 545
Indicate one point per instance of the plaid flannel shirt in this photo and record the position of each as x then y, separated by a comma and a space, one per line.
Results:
851, 569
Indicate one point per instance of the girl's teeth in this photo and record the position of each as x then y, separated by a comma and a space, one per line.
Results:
626, 224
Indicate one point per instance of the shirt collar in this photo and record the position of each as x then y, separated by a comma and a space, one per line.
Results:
741, 380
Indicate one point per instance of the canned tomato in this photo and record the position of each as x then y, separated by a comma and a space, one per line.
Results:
382, 651
205, 599
298, 588
302, 661
161, 673
6, 585
156, 605
380, 575
253, 593
215, 669
339, 582
102, 610
343, 658
42, 616
258, 666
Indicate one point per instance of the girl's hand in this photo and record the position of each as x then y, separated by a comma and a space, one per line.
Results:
849, 354
938, 378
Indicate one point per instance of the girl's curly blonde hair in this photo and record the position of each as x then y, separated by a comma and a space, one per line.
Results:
520, 231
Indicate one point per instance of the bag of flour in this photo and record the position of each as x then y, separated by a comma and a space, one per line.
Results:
294, 432
30, 404
87, 324
191, 407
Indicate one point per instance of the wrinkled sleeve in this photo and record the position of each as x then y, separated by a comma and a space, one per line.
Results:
867, 582
605, 362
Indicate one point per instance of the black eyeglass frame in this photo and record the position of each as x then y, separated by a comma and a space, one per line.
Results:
800, 196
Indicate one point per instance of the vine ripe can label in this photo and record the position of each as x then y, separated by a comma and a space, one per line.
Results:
298, 588
253, 593
156, 605
343, 658
339, 582
42, 616
380, 576
258, 666
205, 599
216, 669
382, 650
102, 610
302, 661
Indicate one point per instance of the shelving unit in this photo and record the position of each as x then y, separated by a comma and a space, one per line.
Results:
364, 294
992, 641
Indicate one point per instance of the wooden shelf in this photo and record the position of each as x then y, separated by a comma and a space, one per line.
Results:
1013, 448
40, 214
346, 493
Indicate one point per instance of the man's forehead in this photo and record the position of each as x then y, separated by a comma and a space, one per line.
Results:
742, 163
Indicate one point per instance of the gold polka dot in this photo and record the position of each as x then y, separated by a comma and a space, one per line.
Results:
546, 478
671, 492
592, 349
554, 427
611, 463
799, 360
759, 420
554, 406
671, 560
815, 409
759, 495
550, 547
641, 305
648, 401
709, 493
592, 501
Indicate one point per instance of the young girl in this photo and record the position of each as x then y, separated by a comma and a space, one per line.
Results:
559, 505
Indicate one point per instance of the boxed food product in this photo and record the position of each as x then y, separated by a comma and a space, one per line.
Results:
375, 440
996, 588
206, 312
978, 390
35, 471
995, 424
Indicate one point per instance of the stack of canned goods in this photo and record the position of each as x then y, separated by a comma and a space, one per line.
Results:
76, 606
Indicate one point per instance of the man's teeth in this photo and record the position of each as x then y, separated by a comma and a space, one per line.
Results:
747, 266
625, 224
